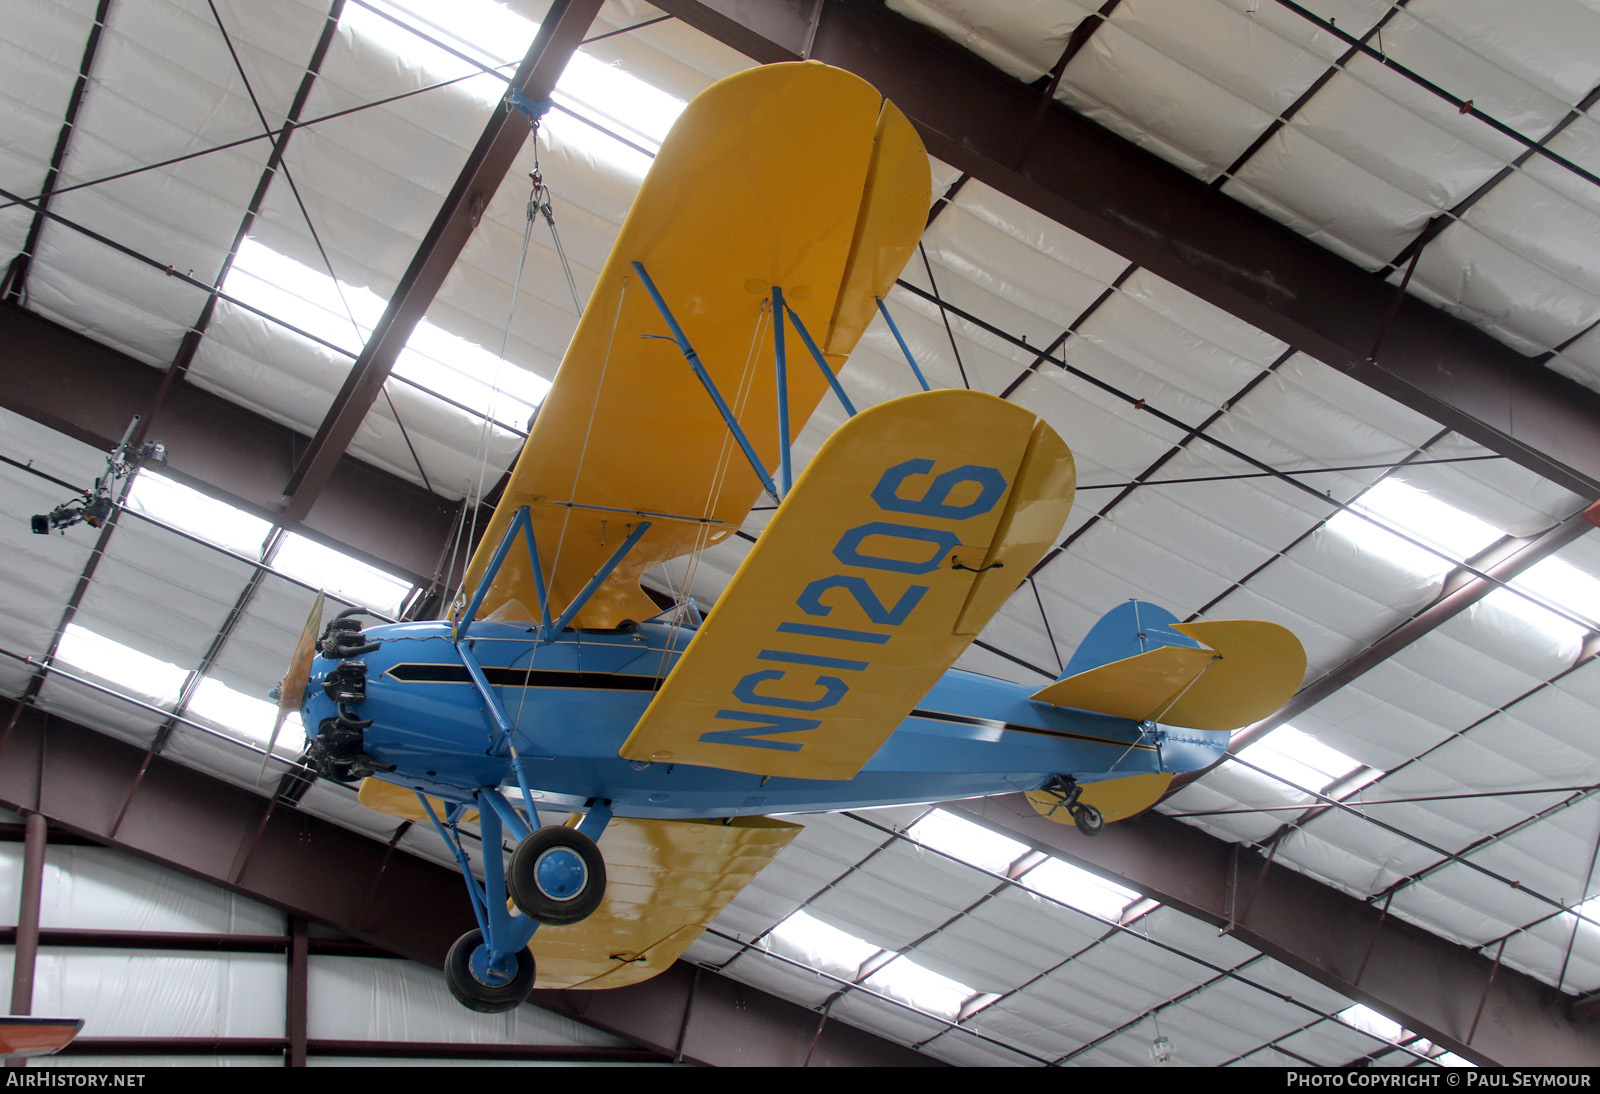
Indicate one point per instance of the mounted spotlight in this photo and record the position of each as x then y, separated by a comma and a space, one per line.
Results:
95, 505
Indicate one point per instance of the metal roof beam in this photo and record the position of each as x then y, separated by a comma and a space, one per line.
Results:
1454, 996
89, 392
14, 285
560, 33
115, 794
1462, 589
979, 120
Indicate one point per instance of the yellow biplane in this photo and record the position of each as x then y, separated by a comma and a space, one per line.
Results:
635, 755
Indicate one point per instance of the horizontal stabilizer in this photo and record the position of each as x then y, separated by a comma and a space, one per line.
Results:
666, 879
1259, 667
1236, 672
1140, 687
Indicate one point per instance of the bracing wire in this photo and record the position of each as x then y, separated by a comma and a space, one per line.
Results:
719, 476
539, 204
566, 516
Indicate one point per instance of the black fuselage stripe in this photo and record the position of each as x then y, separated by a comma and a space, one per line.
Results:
503, 676
994, 723
511, 677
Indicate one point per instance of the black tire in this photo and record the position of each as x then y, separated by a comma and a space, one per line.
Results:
545, 903
1089, 820
473, 993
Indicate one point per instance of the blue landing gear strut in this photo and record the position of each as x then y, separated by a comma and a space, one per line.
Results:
557, 876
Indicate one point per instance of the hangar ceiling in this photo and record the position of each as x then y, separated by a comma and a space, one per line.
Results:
1309, 288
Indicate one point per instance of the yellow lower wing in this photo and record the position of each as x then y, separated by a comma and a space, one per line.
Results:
798, 176
908, 530
665, 880
402, 802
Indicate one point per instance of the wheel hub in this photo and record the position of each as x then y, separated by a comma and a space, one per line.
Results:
560, 873
490, 972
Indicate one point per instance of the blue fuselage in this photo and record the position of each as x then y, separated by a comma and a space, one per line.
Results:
573, 702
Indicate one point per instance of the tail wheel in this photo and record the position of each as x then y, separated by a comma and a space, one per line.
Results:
478, 985
1088, 819
556, 876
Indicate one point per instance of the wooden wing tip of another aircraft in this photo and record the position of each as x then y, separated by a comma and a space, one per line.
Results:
24, 1035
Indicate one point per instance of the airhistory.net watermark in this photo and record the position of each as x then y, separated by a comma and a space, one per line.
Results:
46, 1077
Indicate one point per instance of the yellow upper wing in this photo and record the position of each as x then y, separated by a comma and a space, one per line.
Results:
794, 175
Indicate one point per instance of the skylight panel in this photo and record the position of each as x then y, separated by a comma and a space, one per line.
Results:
1079, 889
1424, 517
339, 574
151, 678
921, 987
823, 946
826, 947
438, 361
244, 715
1563, 631
302, 297
1420, 516
1302, 759
487, 32
969, 842
1589, 911
618, 101
1563, 585
1367, 1020
493, 35
211, 520
565, 130
471, 375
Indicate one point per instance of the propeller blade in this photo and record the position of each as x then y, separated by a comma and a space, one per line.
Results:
292, 688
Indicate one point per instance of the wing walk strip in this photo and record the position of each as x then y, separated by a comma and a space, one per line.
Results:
503, 676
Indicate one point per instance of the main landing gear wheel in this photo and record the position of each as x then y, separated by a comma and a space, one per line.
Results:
1088, 819
480, 987
556, 876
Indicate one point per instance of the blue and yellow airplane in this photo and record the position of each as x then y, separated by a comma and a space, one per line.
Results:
635, 756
